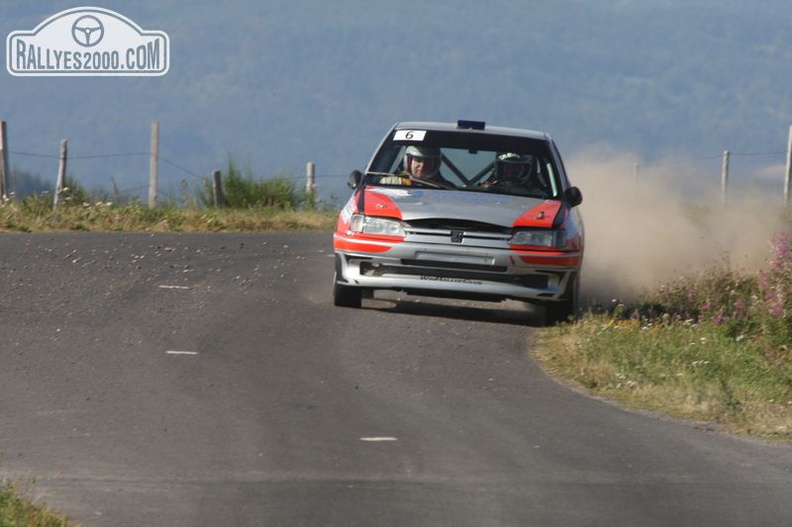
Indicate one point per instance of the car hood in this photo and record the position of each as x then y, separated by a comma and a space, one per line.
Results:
497, 209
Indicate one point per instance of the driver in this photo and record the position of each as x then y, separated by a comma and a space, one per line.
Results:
421, 163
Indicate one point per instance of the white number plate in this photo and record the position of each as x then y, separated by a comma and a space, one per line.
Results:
409, 135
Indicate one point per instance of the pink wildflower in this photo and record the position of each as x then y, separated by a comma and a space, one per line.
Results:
739, 309
691, 295
719, 318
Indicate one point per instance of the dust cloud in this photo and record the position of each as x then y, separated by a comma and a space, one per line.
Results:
653, 226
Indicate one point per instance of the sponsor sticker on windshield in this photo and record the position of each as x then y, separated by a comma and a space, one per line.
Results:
409, 135
87, 41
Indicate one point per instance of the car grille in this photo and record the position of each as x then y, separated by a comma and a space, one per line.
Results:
457, 232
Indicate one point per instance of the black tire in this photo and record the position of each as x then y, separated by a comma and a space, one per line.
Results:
558, 312
566, 309
346, 296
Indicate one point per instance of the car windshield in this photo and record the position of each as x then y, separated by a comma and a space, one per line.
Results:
468, 161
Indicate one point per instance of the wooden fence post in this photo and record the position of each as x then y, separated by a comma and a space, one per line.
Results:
310, 185
788, 178
153, 164
3, 161
724, 177
217, 189
61, 182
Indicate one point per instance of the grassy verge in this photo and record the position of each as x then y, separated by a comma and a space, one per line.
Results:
16, 511
38, 216
715, 348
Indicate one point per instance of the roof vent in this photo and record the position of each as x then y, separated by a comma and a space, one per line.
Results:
471, 125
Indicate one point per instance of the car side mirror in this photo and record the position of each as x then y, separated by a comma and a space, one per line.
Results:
573, 196
355, 177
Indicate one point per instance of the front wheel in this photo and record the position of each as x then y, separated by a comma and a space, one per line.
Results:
558, 312
346, 296
566, 309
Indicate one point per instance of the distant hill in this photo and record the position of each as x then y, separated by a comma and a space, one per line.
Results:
280, 83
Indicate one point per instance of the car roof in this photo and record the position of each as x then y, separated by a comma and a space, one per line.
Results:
455, 127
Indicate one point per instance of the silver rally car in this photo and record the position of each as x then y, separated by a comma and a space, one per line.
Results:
462, 210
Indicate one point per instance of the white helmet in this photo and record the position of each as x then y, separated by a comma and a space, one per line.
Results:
430, 156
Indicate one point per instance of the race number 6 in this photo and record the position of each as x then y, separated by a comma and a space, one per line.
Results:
409, 135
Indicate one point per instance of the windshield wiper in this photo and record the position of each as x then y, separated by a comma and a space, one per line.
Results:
434, 184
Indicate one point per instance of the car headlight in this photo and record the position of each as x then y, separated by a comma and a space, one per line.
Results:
539, 238
376, 226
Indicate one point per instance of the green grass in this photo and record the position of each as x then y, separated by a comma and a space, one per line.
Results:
715, 347
37, 215
18, 511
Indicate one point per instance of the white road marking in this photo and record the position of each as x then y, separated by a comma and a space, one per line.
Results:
173, 287
174, 352
375, 439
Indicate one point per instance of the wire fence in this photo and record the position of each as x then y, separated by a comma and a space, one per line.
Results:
179, 183
176, 184
182, 181
694, 160
755, 172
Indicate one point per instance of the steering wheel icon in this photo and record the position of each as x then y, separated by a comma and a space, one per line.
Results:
87, 31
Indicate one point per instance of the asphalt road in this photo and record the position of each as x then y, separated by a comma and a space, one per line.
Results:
206, 380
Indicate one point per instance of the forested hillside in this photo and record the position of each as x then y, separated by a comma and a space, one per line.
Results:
279, 83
